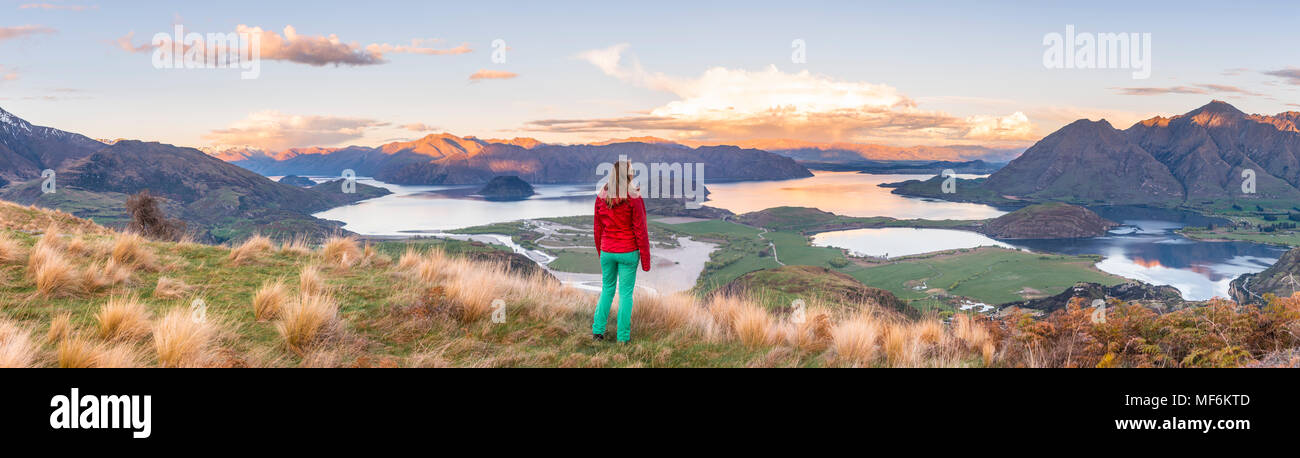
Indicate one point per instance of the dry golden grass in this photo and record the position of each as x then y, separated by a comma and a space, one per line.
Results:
60, 328
170, 288
270, 300
902, 348
471, 289
53, 274
182, 339
10, 249
99, 276
409, 260
78, 353
123, 318
251, 250
300, 246
854, 339
119, 356
307, 321
17, 350
130, 249
310, 281
341, 252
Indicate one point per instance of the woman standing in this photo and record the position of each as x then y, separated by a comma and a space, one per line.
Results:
621, 242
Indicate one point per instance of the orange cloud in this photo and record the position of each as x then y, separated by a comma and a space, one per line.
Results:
728, 104
491, 75
20, 31
419, 127
316, 50
274, 131
7, 74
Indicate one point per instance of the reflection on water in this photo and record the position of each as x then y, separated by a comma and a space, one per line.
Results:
894, 242
1142, 250
844, 193
1153, 253
438, 208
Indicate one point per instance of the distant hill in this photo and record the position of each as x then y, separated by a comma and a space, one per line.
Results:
218, 200
1282, 280
448, 159
1161, 298
842, 152
26, 150
1194, 158
1048, 221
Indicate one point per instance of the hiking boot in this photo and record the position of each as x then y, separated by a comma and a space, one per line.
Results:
595, 337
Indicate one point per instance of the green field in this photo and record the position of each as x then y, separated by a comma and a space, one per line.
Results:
990, 275
582, 261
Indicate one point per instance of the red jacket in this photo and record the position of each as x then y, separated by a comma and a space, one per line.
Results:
623, 228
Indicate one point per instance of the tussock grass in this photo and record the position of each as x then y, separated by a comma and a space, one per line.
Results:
123, 318
78, 352
854, 339
170, 288
307, 321
270, 300
341, 252
17, 350
60, 328
182, 340
299, 245
99, 276
53, 274
251, 250
310, 281
10, 249
130, 249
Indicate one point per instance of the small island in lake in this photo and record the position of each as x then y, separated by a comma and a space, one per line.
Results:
1048, 221
295, 180
506, 187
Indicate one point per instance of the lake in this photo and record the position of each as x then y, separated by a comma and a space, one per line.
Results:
1145, 249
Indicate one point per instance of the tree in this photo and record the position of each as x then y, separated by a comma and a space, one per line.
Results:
148, 219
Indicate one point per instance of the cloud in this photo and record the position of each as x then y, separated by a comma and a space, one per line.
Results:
325, 50
419, 127
51, 6
125, 43
8, 74
727, 103
317, 50
275, 131
492, 75
19, 31
417, 46
1235, 71
1290, 74
1200, 89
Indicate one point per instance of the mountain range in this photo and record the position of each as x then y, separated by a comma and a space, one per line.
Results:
1195, 158
218, 201
452, 160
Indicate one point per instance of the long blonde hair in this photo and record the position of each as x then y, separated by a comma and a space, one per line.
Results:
619, 186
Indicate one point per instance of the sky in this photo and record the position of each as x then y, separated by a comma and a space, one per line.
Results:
336, 73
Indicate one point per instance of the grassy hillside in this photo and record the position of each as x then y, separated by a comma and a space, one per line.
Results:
77, 295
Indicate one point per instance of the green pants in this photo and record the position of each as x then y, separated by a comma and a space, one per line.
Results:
616, 269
